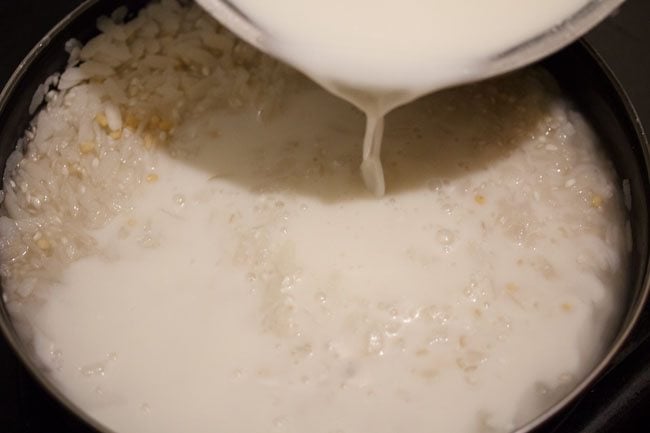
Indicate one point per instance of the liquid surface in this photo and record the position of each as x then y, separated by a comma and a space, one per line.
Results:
381, 54
185, 244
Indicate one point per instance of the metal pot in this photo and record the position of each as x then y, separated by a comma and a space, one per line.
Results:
581, 73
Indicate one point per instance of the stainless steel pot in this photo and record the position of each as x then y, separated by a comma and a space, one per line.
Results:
579, 70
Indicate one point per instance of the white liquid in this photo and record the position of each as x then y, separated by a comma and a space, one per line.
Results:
253, 288
381, 54
218, 270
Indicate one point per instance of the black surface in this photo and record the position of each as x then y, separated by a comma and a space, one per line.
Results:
620, 401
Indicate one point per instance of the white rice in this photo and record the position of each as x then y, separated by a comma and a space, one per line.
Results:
168, 63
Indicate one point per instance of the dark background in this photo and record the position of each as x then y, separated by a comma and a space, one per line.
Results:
619, 402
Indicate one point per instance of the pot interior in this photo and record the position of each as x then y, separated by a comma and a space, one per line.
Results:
583, 77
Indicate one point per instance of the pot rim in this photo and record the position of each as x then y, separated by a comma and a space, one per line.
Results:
6, 327
629, 321
625, 328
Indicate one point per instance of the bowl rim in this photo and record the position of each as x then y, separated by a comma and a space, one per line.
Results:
629, 321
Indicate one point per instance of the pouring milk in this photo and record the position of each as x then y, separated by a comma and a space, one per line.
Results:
380, 54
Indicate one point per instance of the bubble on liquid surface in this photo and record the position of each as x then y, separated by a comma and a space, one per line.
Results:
445, 237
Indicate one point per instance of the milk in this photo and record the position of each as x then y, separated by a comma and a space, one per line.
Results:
255, 276
381, 54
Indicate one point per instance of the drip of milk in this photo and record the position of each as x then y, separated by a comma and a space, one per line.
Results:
380, 54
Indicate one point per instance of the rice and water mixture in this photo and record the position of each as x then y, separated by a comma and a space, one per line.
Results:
188, 246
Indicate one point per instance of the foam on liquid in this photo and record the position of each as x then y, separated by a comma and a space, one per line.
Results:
381, 54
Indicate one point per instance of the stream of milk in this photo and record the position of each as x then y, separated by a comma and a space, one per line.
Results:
380, 54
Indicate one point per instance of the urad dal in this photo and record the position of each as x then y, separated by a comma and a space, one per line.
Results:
186, 244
